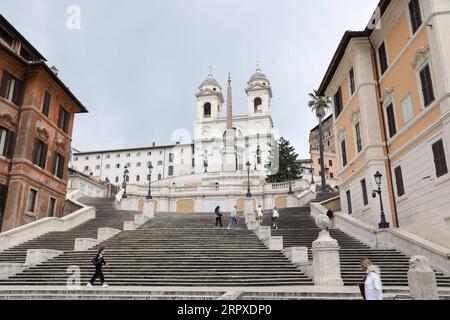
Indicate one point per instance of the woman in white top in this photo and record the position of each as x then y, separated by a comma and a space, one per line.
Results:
275, 217
373, 287
259, 214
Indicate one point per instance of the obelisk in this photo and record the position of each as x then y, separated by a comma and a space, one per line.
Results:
229, 156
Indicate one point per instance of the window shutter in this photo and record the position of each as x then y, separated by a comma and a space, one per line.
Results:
10, 145
439, 159
399, 181
35, 152
44, 156
18, 93
4, 85
61, 167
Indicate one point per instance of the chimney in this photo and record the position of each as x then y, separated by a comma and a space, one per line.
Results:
55, 70
154, 144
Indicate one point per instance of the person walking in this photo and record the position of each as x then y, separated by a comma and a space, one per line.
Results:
233, 218
372, 287
275, 217
218, 216
259, 214
99, 261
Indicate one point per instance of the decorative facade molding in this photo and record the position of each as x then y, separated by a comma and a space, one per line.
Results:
421, 57
60, 146
341, 134
7, 121
43, 133
356, 116
388, 96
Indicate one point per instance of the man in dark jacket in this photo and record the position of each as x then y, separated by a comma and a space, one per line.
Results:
218, 216
99, 261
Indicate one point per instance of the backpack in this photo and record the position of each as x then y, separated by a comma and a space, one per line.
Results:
95, 261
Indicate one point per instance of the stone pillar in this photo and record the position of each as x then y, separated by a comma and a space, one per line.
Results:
38, 256
129, 225
274, 243
149, 209
422, 279
84, 244
106, 233
297, 255
249, 206
326, 262
10, 269
263, 233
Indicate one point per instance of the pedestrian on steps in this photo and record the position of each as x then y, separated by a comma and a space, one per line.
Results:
259, 214
99, 261
372, 287
233, 218
275, 217
218, 216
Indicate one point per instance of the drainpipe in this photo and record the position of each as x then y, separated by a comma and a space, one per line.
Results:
391, 184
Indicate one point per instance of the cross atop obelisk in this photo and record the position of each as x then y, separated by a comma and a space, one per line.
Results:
229, 104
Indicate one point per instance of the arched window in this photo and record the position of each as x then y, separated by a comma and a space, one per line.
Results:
258, 105
138, 178
207, 110
117, 179
159, 176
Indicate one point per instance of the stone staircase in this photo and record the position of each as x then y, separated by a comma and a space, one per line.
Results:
299, 230
182, 250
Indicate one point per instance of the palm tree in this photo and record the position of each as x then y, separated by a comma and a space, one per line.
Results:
320, 105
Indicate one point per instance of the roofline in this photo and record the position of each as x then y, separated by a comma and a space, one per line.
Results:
22, 38
131, 149
340, 52
323, 121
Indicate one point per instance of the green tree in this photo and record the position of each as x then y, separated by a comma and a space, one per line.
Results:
320, 105
281, 160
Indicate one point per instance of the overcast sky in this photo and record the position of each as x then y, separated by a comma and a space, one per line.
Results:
137, 64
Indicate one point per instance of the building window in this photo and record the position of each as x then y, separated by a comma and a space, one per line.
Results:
58, 167
108, 156
128, 165
51, 207
11, 88
159, 177
32, 197
76, 159
117, 179
171, 157
160, 152
149, 153
118, 166
108, 166
383, 58
344, 153
364, 192
64, 118
207, 110
331, 175
407, 109
439, 159
415, 15
138, 178
138, 164
399, 181
330, 163
117, 155
40, 153
159, 163
391, 120
46, 105
138, 154
358, 137
97, 167
86, 158
338, 102
349, 202
6, 37
98, 157
6, 142
257, 105
352, 81
170, 170
128, 155
427, 86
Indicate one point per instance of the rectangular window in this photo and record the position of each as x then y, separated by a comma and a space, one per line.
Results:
11, 88
330, 163
427, 86
97, 167
98, 157
171, 157
46, 105
149, 153
439, 159
415, 15
6, 143
170, 170
331, 175
407, 109
117, 166
58, 168
399, 181
338, 102
383, 58
358, 138
64, 119
117, 155
86, 158
364, 192
108, 166
138, 154
40, 153
108, 156
51, 207
352, 81
32, 200
349, 202
391, 120
344, 153
138, 164
128, 155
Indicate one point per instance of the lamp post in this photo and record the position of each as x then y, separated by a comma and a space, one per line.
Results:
150, 170
312, 176
383, 224
248, 164
125, 176
289, 169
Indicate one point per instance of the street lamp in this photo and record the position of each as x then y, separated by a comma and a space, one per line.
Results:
125, 176
289, 169
248, 164
312, 176
383, 224
150, 170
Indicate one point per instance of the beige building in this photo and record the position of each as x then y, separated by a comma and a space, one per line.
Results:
329, 149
